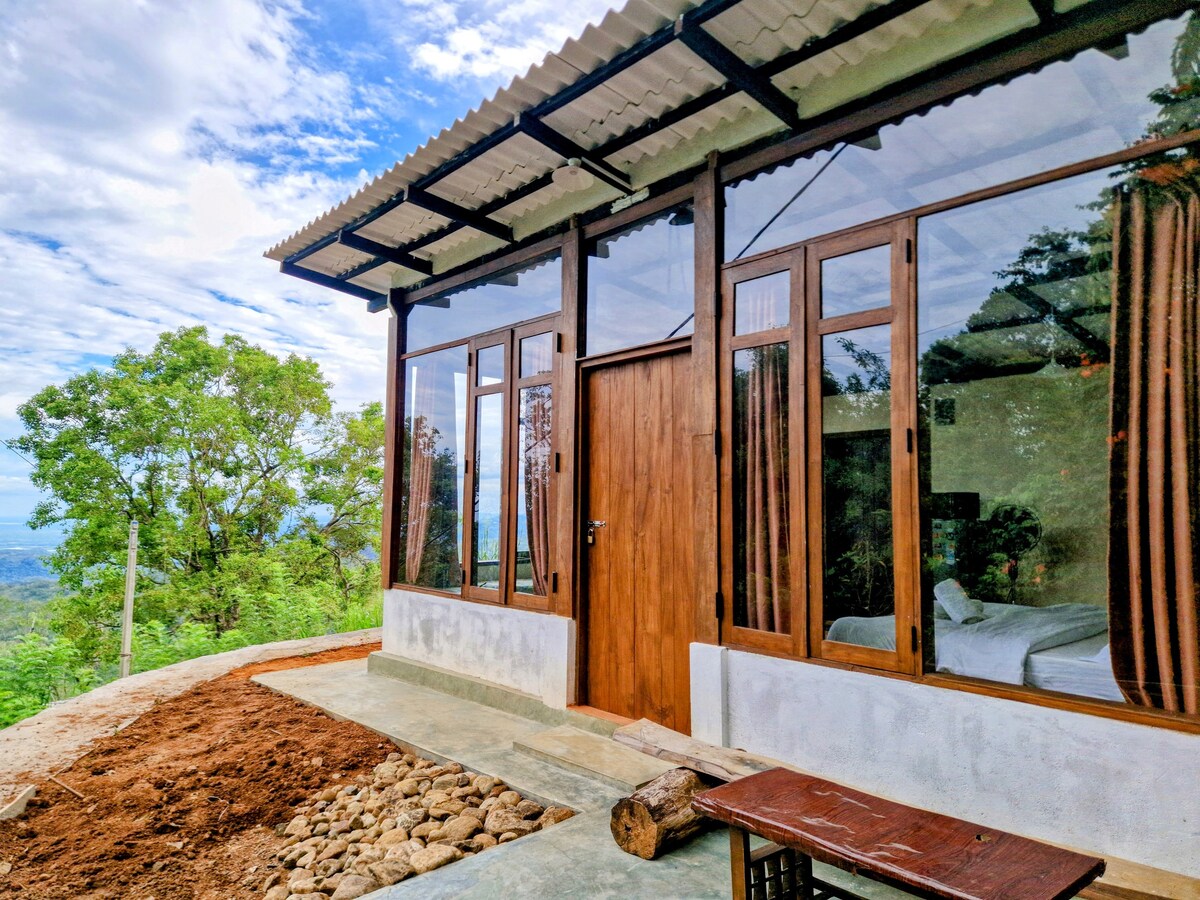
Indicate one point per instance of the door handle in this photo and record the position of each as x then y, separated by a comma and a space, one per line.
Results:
592, 525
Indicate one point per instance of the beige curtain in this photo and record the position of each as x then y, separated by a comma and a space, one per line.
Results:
422, 450
1154, 607
766, 494
535, 458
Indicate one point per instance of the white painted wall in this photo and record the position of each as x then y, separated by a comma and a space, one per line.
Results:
1125, 790
527, 651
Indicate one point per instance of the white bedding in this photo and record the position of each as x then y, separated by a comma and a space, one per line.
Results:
1080, 668
997, 648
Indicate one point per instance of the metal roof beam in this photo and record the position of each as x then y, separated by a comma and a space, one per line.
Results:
739, 72
568, 149
383, 251
455, 213
354, 290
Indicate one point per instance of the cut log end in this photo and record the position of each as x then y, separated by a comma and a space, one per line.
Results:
658, 817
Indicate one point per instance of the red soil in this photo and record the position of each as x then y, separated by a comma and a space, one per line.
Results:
182, 802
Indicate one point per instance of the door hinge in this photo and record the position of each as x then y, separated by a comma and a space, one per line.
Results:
719, 604
556, 462
915, 639
558, 342
716, 443
470, 357
464, 576
554, 582
909, 438
908, 250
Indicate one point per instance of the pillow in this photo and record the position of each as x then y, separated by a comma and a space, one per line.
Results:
957, 605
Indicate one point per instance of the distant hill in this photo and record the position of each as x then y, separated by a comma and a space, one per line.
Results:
22, 565
22, 605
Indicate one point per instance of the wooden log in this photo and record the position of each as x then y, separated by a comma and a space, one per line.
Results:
658, 816
723, 763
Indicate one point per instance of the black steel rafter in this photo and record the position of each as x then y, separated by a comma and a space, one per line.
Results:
567, 148
739, 72
373, 298
384, 252
449, 210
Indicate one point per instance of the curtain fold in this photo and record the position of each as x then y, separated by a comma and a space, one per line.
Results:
1154, 491
766, 493
535, 457
422, 450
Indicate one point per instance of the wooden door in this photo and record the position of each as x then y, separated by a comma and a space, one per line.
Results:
639, 615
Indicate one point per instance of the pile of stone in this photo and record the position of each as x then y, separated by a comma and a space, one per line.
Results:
410, 817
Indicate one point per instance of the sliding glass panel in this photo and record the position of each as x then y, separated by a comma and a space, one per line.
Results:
856, 485
762, 303
639, 283
1016, 356
489, 462
527, 293
762, 587
489, 365
857, 281
534, 464
1092, 104
429, 520
537, 354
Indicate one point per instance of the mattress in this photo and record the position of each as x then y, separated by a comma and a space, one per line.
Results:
1074, 669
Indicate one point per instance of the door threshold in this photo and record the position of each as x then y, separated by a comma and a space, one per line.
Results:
600, 714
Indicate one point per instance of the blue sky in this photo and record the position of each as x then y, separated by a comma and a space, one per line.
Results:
152, 150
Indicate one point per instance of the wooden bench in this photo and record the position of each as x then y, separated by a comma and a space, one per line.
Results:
920, 852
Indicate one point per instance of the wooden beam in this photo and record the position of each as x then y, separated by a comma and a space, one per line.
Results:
455, 213
740, 73
393, 422
567, 148
376, 301
383, 251
672, 746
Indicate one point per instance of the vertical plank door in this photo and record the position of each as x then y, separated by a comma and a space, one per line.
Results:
639, 615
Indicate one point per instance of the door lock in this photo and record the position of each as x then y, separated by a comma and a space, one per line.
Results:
592, 525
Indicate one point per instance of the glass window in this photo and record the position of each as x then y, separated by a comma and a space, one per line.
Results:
537, 354
639, 283
532, 551
762, 303
516, 296
434, 436
489, 365
762, 587
856, 282
856, 485
1070, 111
1015, 381
488, 518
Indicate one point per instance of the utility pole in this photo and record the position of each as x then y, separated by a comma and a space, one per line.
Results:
127, 613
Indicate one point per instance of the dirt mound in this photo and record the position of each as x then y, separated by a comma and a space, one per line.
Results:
180, 804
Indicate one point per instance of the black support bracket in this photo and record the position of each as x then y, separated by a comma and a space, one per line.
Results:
456, 213
383, 251
375, 300
568, 149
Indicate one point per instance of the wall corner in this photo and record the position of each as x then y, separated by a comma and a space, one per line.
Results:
710, 693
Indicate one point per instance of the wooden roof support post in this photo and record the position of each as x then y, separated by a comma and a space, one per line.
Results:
393, 446
566, 424
705, 461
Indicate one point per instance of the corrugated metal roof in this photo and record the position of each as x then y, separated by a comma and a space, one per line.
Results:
756, 30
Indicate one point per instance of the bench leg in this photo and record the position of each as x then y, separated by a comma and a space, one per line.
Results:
804, 875
739, 862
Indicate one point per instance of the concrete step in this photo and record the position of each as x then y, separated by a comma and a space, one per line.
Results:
592, 756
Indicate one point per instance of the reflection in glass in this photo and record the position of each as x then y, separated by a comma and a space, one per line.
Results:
429, 519
761, 303
762, 589
1069, 111
489, 460
489, 365
1013, 360
532, 552
639, 283
856, 481
856, 282
537, 354
503, 300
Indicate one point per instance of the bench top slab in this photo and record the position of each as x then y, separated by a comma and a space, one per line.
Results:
936, 855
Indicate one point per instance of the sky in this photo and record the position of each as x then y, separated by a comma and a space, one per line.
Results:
151, 150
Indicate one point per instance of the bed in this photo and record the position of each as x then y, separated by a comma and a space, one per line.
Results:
1057, 648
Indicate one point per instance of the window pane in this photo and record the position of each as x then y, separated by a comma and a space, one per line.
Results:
856, 281
1013, 355
503, 300
762, 303
489, 365
856, 476
429, 519
762, 589
533, 491
489, 462
1069, 111
537, 354
640, 283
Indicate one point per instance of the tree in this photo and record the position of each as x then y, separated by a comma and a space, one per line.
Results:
233, 464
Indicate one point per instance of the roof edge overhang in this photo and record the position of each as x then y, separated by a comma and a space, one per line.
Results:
770, 133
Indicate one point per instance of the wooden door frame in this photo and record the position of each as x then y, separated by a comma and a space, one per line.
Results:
584, 368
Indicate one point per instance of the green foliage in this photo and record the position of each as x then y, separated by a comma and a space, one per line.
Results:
258, 509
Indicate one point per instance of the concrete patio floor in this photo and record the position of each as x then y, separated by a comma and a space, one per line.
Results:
576, 858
